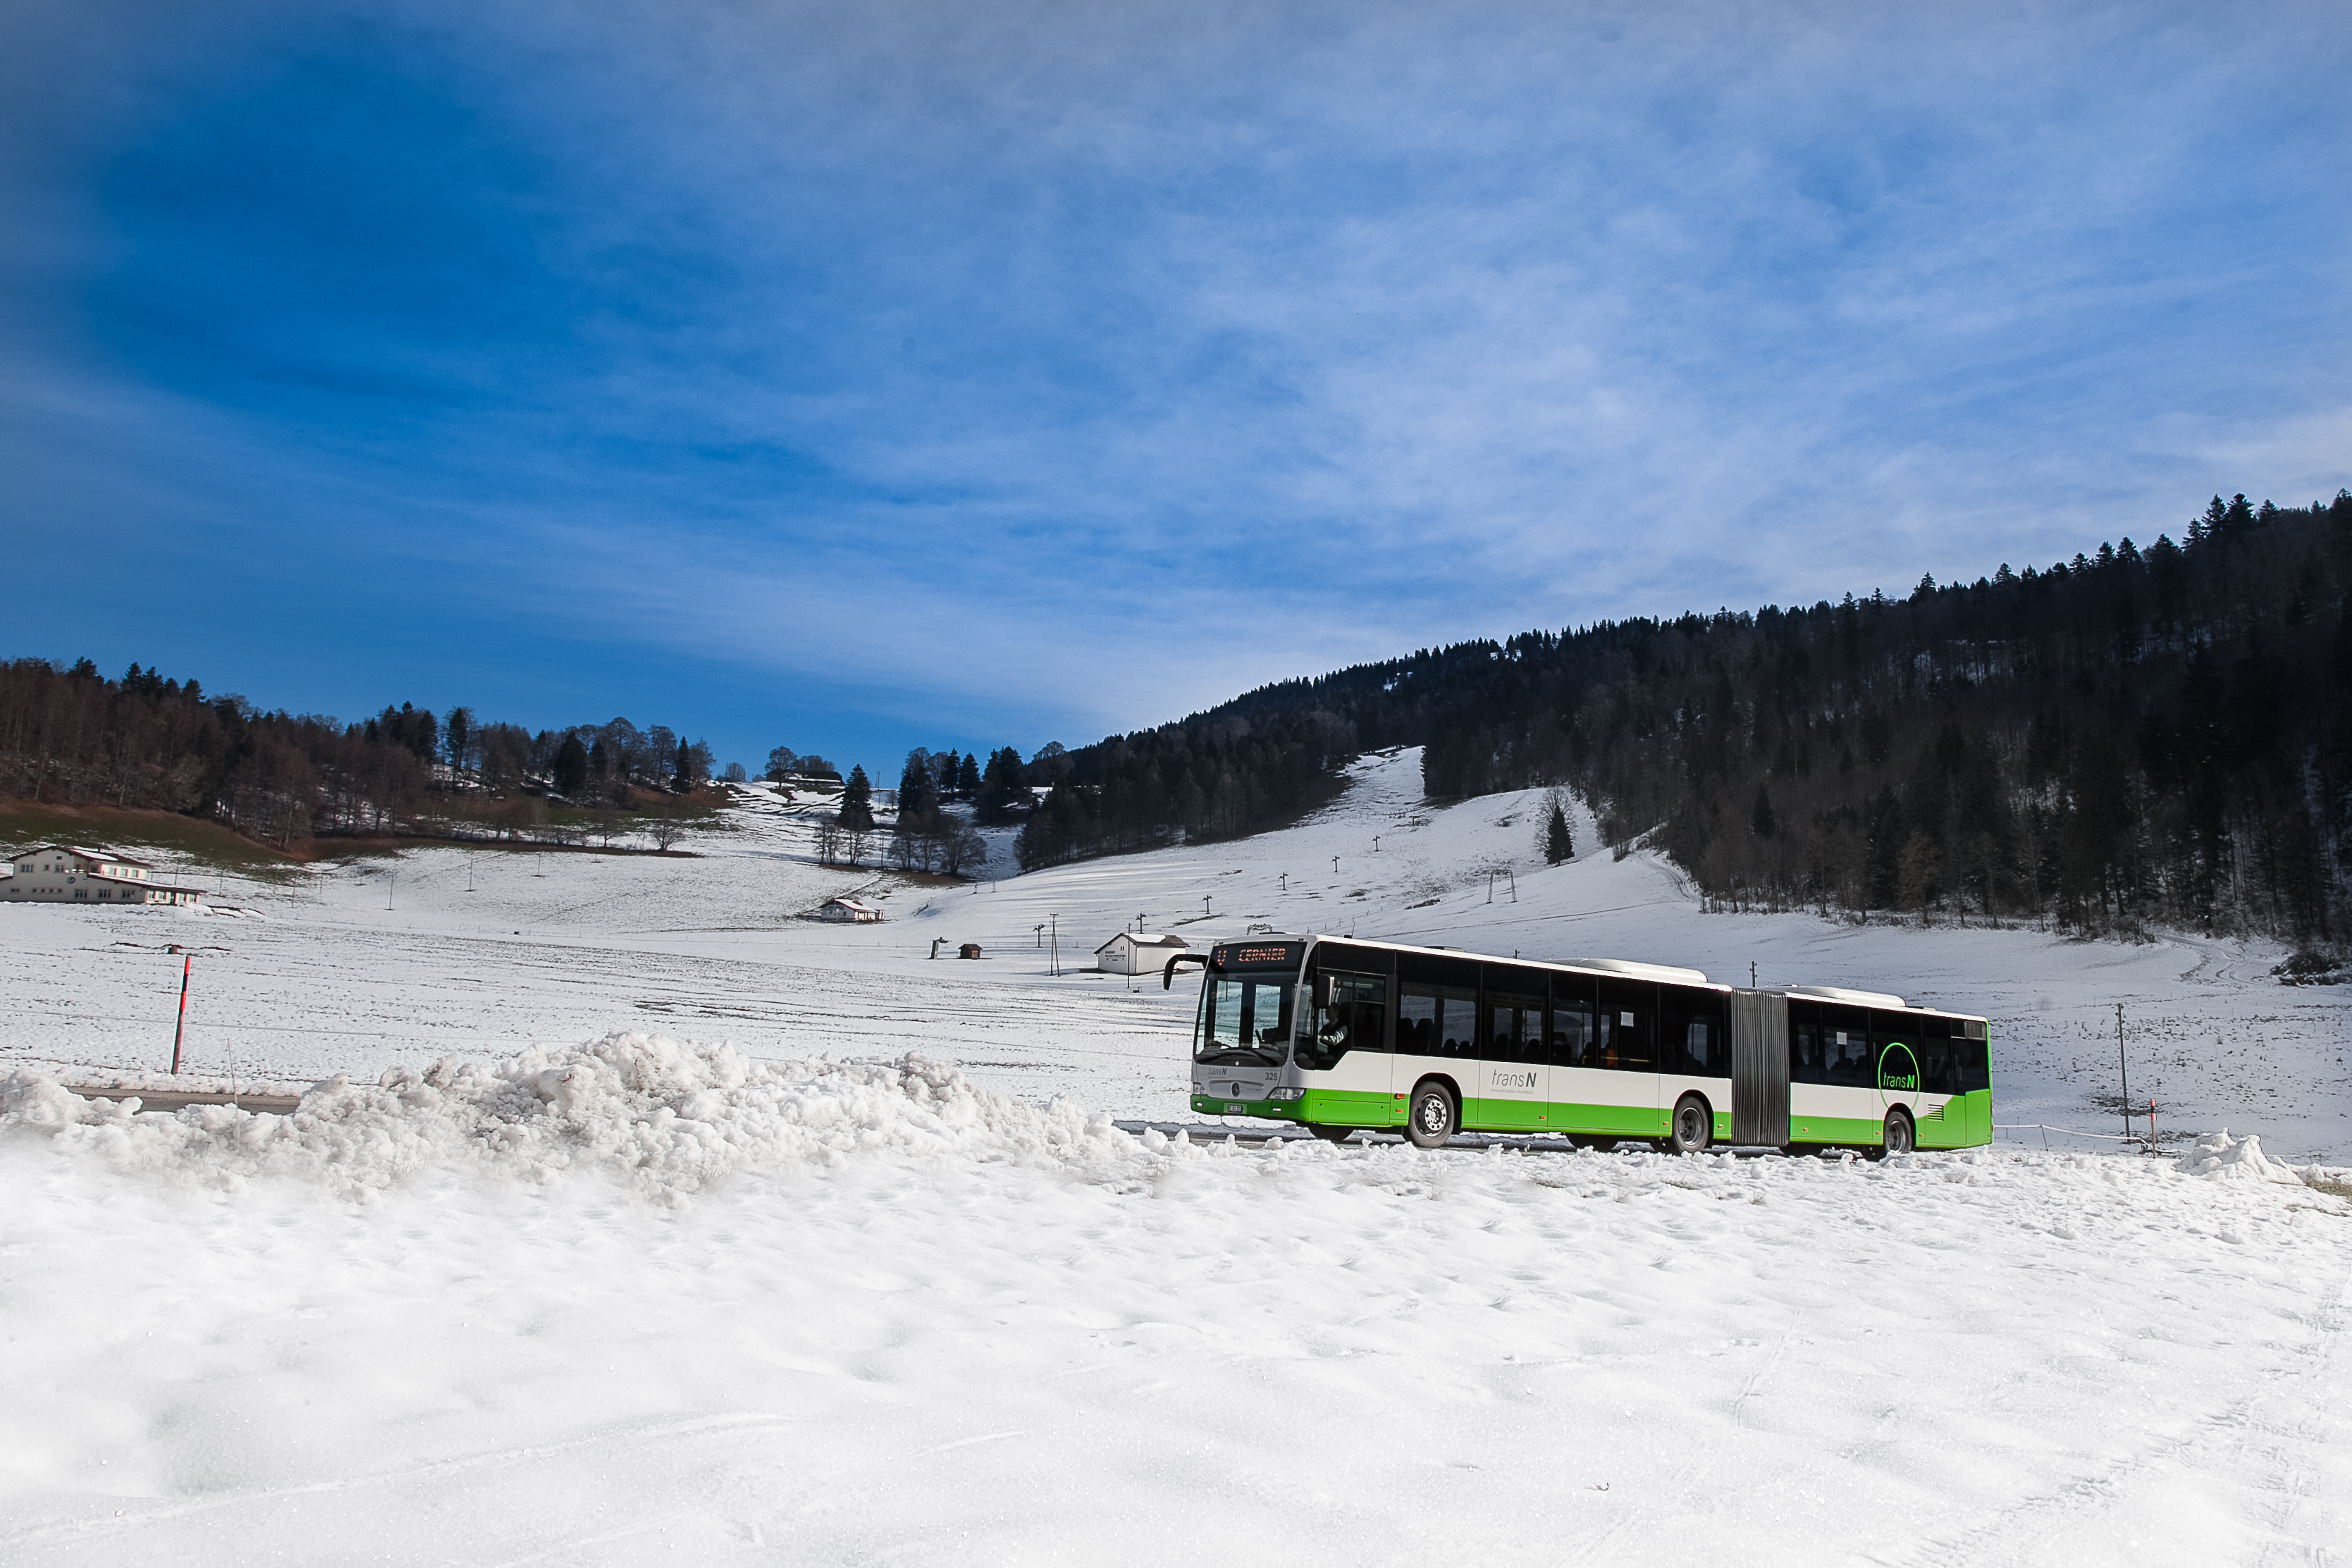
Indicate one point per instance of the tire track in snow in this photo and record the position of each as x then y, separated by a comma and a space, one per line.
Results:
76, 1530
2021, 1531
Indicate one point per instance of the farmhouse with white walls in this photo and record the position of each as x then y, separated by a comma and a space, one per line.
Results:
68, 874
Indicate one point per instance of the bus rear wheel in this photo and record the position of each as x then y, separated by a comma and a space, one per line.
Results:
1899, 1138
1693, 1127
1431, 1121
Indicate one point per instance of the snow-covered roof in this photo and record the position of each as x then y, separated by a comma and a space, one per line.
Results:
1144, 939
856, 904
112, 857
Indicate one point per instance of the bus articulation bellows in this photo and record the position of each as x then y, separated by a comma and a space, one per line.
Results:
1338, 1035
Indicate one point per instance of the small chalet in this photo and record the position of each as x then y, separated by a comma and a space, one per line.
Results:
1139, 953
63, 873
851, 911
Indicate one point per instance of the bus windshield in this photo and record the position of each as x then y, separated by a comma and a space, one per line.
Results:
1244, 1022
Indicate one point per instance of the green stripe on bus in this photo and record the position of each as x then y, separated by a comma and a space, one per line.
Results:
1351, 1108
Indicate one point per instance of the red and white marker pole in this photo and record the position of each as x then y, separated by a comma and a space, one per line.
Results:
187, 964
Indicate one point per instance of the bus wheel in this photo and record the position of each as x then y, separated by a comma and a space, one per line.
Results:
1899, 1138
1329, 1134
1693, 1128
1432, 1120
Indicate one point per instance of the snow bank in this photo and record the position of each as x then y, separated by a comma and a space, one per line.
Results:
2239, 1159
668, 1118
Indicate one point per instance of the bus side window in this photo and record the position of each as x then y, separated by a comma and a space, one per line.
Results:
1938, 1069
1845, 1043
1806, 1063
1458, 1023
1697, 1034
1417, 1022
1569, 1042
1514, 1028
1629, 1015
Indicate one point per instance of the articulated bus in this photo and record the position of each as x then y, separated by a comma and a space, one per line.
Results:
1340, 1035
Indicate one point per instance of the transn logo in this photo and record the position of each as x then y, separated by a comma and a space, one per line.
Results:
1511, 1080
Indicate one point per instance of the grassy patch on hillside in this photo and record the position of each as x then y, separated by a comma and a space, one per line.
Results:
26, 824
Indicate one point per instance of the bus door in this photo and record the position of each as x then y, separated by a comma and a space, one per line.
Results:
1625, 1040
1347, 1038
1846, 1106
1513, 1089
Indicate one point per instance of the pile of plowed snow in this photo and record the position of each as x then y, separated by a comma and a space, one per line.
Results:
665, 1118
670, 1119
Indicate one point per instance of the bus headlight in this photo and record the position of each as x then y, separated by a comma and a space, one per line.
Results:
1287, 1094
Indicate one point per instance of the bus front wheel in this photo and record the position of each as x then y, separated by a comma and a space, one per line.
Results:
1329, 1134
1433, 1119
1899, 1139
1692, 1129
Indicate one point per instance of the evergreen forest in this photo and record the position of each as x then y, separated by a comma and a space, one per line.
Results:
2138, 736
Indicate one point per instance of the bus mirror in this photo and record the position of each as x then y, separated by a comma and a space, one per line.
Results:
1322, 992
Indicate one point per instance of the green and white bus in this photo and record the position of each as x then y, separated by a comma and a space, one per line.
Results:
1339, 1035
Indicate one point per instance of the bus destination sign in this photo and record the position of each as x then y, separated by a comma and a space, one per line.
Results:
1257, 955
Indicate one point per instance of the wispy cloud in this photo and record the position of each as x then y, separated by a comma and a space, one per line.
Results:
955, 368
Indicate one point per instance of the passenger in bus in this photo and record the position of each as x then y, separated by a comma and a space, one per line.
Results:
1849, 1060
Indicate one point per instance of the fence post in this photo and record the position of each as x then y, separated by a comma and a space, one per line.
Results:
2125, 1065
179, 1031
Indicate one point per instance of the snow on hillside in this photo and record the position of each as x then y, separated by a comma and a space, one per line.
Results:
385, 963
557, 1275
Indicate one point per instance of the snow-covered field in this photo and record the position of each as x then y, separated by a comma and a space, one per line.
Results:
640, 1300
481, 952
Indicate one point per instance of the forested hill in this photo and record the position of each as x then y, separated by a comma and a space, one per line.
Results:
2157, 734
71, 736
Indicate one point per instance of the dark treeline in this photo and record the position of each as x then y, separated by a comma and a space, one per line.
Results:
71, 736
2157, 734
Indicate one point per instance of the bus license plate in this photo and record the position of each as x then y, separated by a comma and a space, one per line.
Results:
1235, 1110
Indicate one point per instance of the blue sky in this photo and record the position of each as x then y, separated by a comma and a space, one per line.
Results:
863, 377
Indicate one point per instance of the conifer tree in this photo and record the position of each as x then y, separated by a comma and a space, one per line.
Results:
856, 813
570, 770
1003, 790
1558, 845
919, 806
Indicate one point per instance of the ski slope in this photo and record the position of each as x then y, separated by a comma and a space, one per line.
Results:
650, 1223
